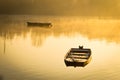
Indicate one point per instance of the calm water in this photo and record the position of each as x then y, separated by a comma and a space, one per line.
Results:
38, 53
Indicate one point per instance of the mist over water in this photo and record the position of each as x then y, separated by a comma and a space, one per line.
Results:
38, 53
92, 28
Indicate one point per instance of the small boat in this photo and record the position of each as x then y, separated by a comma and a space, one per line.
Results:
39, 24
78, 57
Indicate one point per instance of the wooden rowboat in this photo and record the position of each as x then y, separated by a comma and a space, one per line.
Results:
38, 24
78, 57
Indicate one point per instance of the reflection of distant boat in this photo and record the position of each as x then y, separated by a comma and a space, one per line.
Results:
78, 57
39, 24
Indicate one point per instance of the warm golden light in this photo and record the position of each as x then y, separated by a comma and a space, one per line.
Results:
33, 52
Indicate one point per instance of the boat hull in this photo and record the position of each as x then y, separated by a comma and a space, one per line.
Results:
78, 57
77, 64
39, 24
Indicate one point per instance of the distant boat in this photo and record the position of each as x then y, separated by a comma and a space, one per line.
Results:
38, 24
78, 57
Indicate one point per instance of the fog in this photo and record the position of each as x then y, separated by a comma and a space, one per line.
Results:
61, 7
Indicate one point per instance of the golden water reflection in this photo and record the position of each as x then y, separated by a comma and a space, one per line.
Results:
38, 53
93, 28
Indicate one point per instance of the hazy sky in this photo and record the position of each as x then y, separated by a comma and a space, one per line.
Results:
61, 7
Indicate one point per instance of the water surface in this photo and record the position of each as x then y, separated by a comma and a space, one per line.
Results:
38, 53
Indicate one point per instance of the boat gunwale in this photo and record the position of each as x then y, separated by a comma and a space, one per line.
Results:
78, 62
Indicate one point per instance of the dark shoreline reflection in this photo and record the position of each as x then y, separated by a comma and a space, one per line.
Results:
101, 29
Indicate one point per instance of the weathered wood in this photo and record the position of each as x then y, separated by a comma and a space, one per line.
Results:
77, 57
